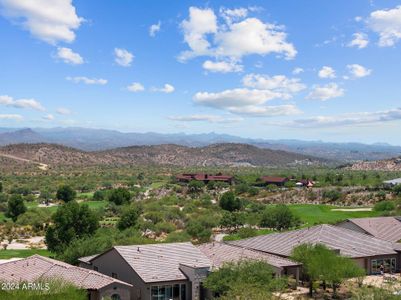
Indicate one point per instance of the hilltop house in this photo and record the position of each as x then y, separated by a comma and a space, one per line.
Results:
367, 251
206, 178
385, 228
36, 268
279, 181
156, 272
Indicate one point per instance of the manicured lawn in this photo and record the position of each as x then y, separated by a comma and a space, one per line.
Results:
88, 195
311, 214
95, 204
6, 254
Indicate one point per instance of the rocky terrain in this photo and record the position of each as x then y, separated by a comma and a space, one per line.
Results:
213, 155
379, 165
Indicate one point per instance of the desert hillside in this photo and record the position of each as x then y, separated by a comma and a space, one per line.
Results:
213, 155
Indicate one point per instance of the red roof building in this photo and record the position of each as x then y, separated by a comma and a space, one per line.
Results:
187, 177
279, 181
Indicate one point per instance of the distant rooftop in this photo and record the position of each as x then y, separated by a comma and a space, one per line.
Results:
38, 267
385, 228
348, 242
220, 253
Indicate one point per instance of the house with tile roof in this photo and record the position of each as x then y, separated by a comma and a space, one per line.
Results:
385, 228
38, 268
368, 251
220, 253
205, 178
279, 181
157, 271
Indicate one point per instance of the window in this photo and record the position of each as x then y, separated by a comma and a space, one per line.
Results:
389, 265
168, 292
114, 275
115, 297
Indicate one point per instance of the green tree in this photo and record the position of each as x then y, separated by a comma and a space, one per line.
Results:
36, 217
195, 186
279, 217
71, 221
322, 263
198, 231
119, 196
1, 187
397, 189
384, 206
229, 202
231, 278
15, 207
232, 220
99, 195
65, 193
129, 218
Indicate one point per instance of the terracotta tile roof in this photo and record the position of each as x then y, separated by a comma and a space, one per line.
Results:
274, 179
385, 228
38, 267
203, 177
87, 259
160, 262
348, 242
220, 253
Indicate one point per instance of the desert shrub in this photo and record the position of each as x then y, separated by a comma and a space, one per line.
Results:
384, 206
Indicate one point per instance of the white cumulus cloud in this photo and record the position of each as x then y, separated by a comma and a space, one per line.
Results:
154, 28
68, 56
136, 87
205, 118
358, 71
347, 119
13, 117
21, 103
87, 80
297, 71
167, 88
235, 37
49, 20
222, 66
360, 40
48, 117
386, 23
326, 92
327, 72
123, 57
280, 84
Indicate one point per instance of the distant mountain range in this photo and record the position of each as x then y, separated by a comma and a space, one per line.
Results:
235, 155
100, 139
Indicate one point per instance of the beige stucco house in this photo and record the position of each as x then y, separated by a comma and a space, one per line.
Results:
156, 272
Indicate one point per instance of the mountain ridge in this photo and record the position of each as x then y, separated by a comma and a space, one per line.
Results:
228, 154
104, 139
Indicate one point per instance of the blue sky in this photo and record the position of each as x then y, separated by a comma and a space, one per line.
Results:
306, 69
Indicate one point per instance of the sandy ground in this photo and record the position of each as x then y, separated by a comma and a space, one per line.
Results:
50, 205
294, 294
37, 241
352, 209
391, 282
41, 166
